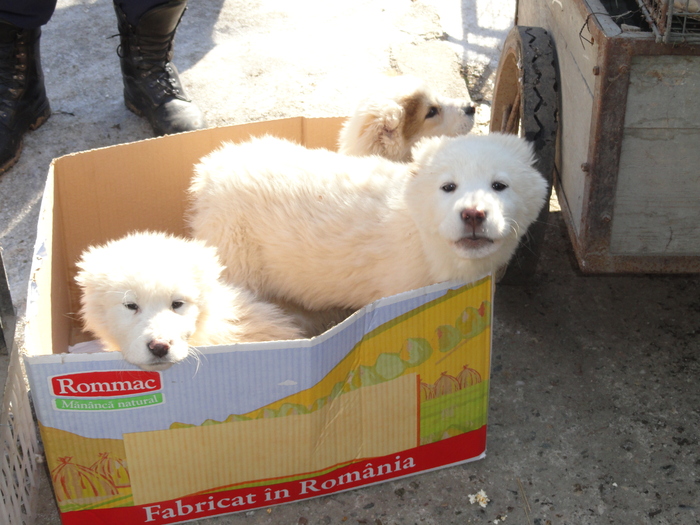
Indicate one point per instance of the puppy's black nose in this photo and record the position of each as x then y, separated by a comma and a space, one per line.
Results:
159, 348
469, 110
473, 217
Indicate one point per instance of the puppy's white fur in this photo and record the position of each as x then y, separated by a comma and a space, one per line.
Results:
326, 230
400, 112
153, 296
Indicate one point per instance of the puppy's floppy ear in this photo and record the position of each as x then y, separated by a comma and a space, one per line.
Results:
381, 128
388, 114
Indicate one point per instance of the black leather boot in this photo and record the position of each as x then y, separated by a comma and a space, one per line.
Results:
152, 87
23, 102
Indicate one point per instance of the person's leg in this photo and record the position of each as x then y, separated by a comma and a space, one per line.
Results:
23, 102
27, 14
152, 87
134, 10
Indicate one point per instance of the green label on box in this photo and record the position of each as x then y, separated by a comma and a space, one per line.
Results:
120, 403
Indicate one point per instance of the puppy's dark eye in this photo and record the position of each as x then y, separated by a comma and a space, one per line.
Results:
177, 304
499, 186
132, 306
434, 110
448, 187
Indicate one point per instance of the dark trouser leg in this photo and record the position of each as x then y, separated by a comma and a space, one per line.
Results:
23, 102
27, 14
152, 87
135, 9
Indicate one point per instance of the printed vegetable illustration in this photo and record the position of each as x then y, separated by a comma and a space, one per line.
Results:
453, 405
112, 468
73, 482
366, 376
446, 384
448, 337
468, 377
469, 324
427, 392
390, 365
416, 351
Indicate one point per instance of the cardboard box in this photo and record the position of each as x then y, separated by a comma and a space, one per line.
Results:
399, 388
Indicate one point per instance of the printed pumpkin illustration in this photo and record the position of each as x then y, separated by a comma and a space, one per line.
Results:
77, 482
453, 405
446, 384
427, 391
468, 377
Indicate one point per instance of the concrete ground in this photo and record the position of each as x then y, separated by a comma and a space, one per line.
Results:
594, 409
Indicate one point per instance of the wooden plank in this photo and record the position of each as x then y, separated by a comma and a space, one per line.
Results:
664, 92
574, 126
657, 195
607, 24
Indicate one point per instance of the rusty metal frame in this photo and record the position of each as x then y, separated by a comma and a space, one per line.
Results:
592, 241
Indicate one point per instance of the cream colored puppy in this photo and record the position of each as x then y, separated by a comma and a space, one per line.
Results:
402, 111
322, 229
153, 297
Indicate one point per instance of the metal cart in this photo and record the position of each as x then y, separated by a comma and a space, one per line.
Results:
609, 92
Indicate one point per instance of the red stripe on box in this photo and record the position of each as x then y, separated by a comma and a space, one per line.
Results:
456, 449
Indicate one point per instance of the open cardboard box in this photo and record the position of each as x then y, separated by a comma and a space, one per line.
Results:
399, 388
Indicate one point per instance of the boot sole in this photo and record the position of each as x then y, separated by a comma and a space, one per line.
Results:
158, 130
35, 125
136, 111
131, 107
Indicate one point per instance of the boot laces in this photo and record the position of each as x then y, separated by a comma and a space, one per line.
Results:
12, 74
152, 55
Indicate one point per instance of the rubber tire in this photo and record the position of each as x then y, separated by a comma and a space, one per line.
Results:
528, 69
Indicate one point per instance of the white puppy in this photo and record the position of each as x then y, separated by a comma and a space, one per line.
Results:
153, 296
326, 230
401, 111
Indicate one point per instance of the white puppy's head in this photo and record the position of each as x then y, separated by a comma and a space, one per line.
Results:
473, 197
402, 111
146, 295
